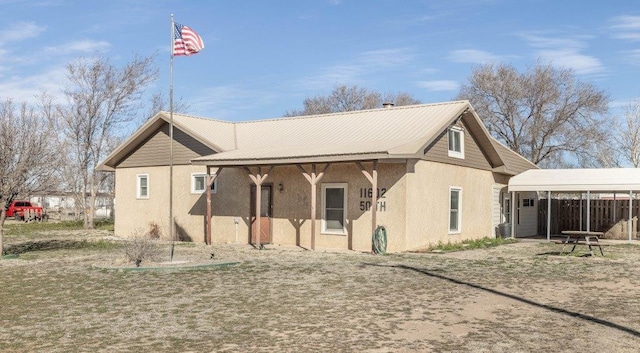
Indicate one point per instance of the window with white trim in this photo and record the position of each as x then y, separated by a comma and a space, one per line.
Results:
455, 210
456, 142
142, 186
334, 208
527, 202
199, 183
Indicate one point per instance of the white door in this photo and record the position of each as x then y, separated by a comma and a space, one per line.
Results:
526, 214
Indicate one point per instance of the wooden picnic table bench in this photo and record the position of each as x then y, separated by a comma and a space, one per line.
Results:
580, 237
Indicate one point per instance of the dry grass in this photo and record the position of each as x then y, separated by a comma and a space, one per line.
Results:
513, 298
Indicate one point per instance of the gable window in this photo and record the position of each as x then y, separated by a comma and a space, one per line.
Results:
334, 208
455, 210
456, 142
142, 186
199, 182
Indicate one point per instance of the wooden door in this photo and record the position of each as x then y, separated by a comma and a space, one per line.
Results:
266, 206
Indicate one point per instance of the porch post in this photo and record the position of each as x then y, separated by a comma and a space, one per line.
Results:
513, 214
313, 179
373, 179
548, 215
580, 212
210, 179
258, 179
588, 211
613, 221
630, 214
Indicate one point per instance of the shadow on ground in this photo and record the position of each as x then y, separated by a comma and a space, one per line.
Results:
44, 245
551, 308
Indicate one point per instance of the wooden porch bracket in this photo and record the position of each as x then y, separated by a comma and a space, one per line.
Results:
313, 178
258, 178
210, 179
373, 179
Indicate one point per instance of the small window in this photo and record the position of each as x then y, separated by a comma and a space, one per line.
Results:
455, 210
142, 186
334, 211
456, 142
527, 202
199, 182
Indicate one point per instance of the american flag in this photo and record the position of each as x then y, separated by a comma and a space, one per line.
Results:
186, 41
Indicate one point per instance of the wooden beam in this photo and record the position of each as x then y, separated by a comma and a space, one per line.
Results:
258, 178
313, 178
210, 179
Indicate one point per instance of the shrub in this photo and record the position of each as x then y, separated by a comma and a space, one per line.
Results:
154, 230
140, 248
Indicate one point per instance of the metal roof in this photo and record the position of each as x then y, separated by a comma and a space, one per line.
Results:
575, 180
388, 133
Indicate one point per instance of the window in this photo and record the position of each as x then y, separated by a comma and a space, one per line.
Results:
142, 186
455, 210
334, 211
456, 142
507, 210
199, 182
527, 202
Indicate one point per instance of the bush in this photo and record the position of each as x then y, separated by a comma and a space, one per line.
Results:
140, 248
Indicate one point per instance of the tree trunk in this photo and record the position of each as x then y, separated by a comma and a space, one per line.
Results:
92, 202
3, 216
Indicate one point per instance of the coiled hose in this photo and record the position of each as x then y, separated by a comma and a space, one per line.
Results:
379, 240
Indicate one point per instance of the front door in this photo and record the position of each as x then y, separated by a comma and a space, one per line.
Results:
266, 206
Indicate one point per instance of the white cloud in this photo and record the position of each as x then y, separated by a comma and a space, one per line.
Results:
566, 52
359, 68
20, 31
26, 89
439, 85
626, 27
473, 56
83, 46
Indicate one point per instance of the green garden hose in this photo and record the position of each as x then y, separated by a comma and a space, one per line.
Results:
379, 240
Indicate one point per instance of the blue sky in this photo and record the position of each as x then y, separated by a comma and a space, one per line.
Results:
262, 58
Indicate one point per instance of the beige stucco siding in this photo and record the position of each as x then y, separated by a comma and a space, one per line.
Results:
428, 203
291, 221
413, 205
135, 215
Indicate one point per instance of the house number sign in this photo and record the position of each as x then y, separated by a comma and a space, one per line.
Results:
367, 193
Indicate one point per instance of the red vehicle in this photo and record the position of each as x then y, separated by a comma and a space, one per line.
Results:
24, 210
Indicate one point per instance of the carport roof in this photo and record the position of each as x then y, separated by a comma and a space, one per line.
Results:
572, 180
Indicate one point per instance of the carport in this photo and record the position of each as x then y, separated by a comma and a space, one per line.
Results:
604, 180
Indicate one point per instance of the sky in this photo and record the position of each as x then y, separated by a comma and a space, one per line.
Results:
263, 58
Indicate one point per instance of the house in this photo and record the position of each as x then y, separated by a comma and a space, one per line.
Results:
428, 173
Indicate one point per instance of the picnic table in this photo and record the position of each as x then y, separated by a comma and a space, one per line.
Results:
580, 237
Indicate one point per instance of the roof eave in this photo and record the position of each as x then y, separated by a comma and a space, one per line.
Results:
240, 162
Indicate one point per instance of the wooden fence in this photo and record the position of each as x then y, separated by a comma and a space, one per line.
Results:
568, 214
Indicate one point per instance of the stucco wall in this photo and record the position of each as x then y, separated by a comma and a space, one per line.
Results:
428, 203
134, 215
291, 221
291, 224
414, 207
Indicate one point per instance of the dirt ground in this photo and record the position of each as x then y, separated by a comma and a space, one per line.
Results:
523, 297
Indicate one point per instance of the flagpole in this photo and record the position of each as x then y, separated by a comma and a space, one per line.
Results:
171, 140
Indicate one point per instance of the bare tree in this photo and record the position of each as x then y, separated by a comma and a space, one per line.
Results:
545, 113
100, 97
160, 102
349, 98
627, 133
27, 152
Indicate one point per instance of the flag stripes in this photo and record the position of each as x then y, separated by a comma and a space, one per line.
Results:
186, 41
